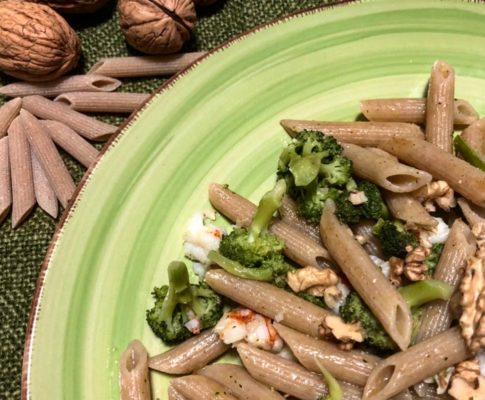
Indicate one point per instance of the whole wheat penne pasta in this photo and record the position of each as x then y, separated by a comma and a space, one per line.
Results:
298, 247
88, 127
363, 234
413, 111
289, 215
117, 102
198, 387
74, 83
288, 376
386, 303
474, 215
130, 67
23, 196
8, 112
407, 208
461, 176
384, 171
352, 366
440, 106
173, 394
270, 301
190, 355
5, 185
50, 159
361, 133
239, 382
44, 194
134, 378
474, 136
417, 363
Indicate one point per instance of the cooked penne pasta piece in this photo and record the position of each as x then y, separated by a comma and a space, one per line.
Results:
440, 105
412, 111
117, 102
461, 176
299, 248
173, 394
131, 67
404, 369
407, 208
384, 171
287, 376
134, 378
44, 194
289, 215
74, 83
190, 355
361, 133
270, 301
386, 304
198, 387
474, 215
474, 136
88, 127
363, 234
8, 112
352, 366
5, 185
239, 382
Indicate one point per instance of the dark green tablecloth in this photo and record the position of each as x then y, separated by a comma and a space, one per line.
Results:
22, 250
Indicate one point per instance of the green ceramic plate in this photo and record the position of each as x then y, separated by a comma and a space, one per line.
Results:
219, 122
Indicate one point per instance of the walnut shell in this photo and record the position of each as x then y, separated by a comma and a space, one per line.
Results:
36, 43
73, 6
157, 26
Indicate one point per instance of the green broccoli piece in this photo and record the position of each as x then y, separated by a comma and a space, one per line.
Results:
432, 260
310, 206
394, 238
337, 172
374, 207
178, 302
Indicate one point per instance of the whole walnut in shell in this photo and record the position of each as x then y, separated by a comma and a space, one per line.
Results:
157, 26
36, 43
73, 6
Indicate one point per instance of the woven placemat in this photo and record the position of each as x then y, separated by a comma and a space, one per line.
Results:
22, 250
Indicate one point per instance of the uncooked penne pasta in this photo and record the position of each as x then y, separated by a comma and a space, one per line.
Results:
131, 67
361, 133
198, 387
88, 127
270, 301
364, 235
386, 304
50, 159
134, 378
239, 382
44, 194
117, 102
8, 112
406, 368
474, 136
413, 111
440, 106
298, 247
190, 355
352, 366
289, 215
461, 176
74, 83
407, 208
5, 185
173, 394
288, 376
474, 215
384, 171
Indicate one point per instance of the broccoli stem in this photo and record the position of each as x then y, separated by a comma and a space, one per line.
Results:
469, 153
419, 293
268, 204
178, 289
234, 268
334, 389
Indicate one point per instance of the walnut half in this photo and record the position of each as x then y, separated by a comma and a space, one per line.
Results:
467, 383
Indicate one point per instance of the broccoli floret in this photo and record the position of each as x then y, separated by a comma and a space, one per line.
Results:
310, 206
175, 301
432, 260
394, 238
346, 211
337, 172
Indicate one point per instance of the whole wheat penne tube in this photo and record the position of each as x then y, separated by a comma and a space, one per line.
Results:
239, 382
5, 185
384, 171
117, 102
131, 67
173, 394
50, 159
270, 301
74, 83
363, 234
361, 133
198, 387
461, 176
289, 214
44, 194
419, 362
407, 208
381, 297
134, 378
190, 355
440, 106
23, 196
352, 366
413, 111
474, 136
474, 215
298, 247
88, 127
8, 112
288, 376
